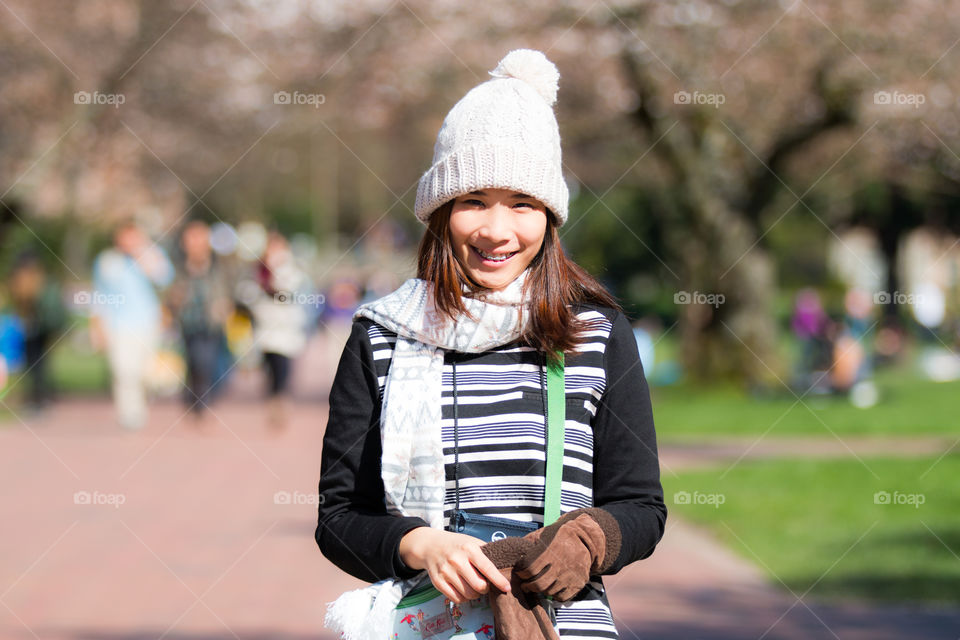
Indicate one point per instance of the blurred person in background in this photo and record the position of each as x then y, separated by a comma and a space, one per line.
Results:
126, 315
280, 321
853, 351
11, 346
36, 300
645, 345
810, 325
858, 307
342, 298
200, 301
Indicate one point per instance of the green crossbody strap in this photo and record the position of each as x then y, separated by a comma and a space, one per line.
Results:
556, 417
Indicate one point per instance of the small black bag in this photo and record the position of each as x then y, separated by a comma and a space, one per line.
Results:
489, 528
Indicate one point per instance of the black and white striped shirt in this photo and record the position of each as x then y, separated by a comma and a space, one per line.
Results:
610, 457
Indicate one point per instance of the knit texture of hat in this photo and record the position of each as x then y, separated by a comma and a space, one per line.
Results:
502, 135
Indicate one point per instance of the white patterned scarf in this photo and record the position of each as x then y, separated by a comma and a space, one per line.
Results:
412, 464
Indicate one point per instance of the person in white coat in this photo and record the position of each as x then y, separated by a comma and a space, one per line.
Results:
280, 322
126, 315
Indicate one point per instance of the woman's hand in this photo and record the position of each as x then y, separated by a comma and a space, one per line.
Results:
455, 562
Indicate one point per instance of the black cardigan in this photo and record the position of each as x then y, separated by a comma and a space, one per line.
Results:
354, 530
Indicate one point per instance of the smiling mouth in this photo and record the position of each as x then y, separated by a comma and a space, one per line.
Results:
493, 257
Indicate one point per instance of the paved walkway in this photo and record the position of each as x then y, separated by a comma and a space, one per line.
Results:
201, 535
679, 455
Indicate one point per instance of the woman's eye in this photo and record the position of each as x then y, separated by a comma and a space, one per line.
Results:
525, 205
474, 203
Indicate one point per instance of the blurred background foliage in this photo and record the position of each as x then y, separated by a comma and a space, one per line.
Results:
721, 148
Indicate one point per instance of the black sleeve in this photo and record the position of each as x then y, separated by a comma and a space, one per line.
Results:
354, 530
626, 469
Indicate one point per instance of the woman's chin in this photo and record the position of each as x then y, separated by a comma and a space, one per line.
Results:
488, 282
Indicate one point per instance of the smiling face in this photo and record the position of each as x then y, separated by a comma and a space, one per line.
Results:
496, 233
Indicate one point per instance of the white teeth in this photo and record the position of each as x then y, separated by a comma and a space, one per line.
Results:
495, 258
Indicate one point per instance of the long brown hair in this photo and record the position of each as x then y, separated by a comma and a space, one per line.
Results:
555, 282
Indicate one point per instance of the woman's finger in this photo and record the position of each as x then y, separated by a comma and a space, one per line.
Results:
472, 578
441, 579
489, 571
458, 585
446, 589
463, 590
472, 584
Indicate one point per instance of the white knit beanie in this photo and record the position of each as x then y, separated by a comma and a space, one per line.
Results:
501, 135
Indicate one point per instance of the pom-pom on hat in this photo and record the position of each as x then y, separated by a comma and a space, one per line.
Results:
502, 135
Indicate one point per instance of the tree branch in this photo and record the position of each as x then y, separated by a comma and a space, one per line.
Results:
763, 184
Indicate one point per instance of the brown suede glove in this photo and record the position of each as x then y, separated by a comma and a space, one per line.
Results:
565, 554
550, 557
517, 615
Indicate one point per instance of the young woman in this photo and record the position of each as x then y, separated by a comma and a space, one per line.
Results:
439, 398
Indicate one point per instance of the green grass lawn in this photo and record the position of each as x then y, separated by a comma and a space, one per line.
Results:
908, 404
76, 371
816, 524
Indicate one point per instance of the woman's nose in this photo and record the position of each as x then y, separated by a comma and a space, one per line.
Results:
497, 223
